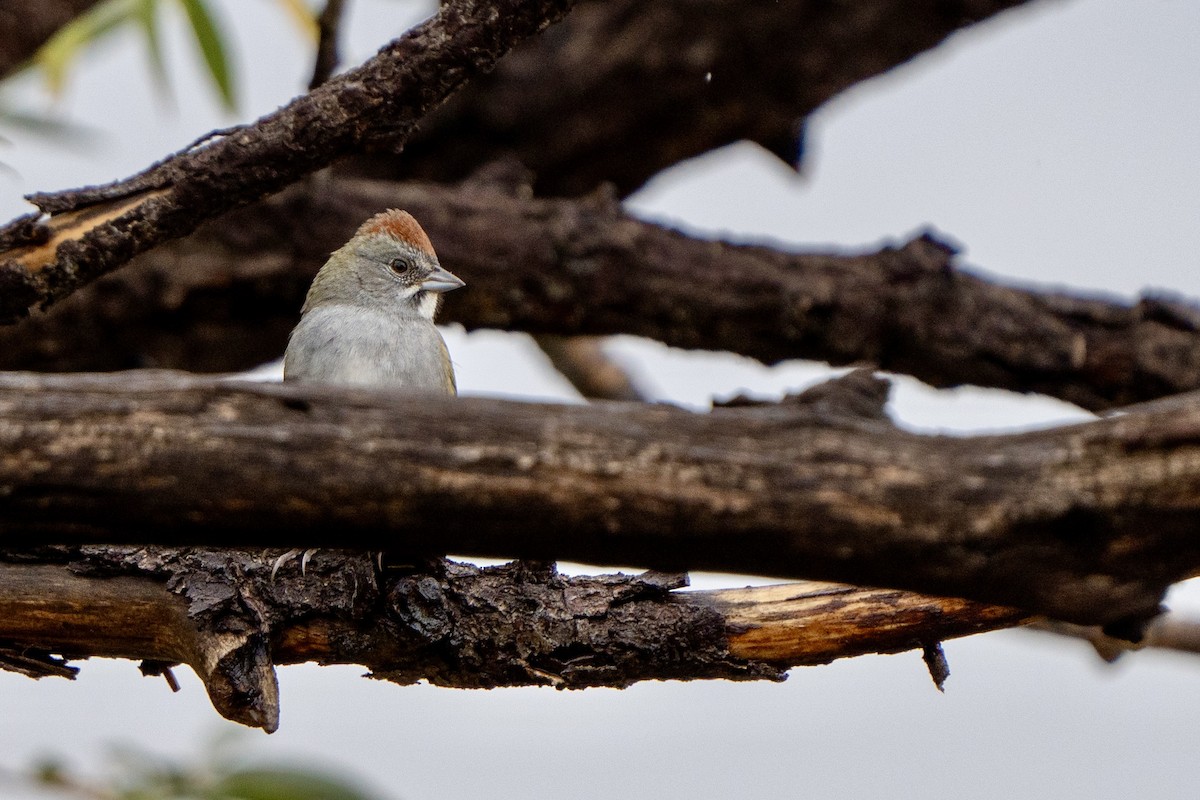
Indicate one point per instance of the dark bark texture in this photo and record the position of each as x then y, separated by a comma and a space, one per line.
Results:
1087, 523
226, 298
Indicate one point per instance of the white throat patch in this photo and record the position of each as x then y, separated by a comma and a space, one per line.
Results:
427, 304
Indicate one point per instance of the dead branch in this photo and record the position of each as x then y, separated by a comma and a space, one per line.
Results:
451, 624
226, 298
92, 231
1087, 523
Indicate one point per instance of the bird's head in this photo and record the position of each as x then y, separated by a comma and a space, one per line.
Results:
388, 263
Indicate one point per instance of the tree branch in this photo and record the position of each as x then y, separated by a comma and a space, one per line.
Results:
328, 27
1169, 631
583, 362
226, 298
92, 231
451, 624
676, 77
1087, 523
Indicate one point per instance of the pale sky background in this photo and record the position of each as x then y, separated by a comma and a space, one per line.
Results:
1057, 144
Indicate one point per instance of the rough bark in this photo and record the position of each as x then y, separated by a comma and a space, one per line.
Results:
1087, 523
451, 624
226, 298
626, 88
94, 230
25, 25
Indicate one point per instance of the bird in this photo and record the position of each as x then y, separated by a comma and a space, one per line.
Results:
368, 318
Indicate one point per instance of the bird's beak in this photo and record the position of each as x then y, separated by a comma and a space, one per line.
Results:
441, 280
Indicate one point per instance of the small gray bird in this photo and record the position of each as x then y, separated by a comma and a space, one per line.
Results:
368, 317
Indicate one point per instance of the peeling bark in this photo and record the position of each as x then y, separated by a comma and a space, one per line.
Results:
451, 624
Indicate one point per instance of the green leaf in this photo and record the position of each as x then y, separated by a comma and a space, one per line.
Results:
55, 56
212, 47
284, 784
45, 126
146, 16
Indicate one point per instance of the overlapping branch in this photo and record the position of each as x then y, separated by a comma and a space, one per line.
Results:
1087, 523
588, 110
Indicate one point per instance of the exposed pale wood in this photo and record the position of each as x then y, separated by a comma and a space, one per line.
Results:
814, 623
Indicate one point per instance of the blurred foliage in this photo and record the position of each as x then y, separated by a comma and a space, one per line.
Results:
220, 775
56, 57
59, 54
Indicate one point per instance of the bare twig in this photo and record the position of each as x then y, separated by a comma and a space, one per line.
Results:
328, 25
1170, 631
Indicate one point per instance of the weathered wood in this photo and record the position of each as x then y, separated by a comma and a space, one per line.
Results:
1087, 523
456, 625
226, 298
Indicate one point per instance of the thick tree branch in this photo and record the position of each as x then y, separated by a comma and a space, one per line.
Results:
1087, 523
626, 88
92, 231
452, 624
226, 298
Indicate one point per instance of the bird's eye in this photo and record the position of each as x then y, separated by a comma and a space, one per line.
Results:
401, 266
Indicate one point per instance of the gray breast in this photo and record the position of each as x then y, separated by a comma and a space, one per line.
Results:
349, 345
